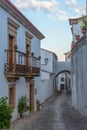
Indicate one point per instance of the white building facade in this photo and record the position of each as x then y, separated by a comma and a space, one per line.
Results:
79, 71
47, 74
60, 82
79, 75
20, 56
63, 81
76, 28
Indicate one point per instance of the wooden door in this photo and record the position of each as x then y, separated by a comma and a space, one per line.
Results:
32, 96
12, 95
62, 86
11, 52
10, 49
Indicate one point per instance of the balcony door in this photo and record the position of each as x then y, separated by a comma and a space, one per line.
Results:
28, 48
11, 48
11, 53
12, 34
27, 53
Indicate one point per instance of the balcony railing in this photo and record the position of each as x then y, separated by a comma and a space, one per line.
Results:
15, 69
21, 64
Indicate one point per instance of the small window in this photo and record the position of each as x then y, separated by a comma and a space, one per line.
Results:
12, 95
62, 79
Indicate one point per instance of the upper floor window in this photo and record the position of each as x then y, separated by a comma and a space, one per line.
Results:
12, 27
12, 34
62, 79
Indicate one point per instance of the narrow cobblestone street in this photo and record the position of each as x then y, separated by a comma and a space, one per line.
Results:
56, 114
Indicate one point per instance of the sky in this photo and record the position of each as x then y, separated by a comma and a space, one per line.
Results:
51, 17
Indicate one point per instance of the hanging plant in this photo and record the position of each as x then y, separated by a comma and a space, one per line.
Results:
77, 37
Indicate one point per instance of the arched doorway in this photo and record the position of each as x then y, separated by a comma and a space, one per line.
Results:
63, 80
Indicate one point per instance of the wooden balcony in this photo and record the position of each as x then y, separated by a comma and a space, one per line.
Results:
21, 64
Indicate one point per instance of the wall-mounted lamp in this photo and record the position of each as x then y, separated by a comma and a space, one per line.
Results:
45, 61
15, 47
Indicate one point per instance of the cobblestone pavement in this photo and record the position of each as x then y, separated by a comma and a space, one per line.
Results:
56, 114
74, 120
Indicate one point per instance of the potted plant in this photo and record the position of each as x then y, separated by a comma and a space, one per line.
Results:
5, 114
38, 105
84, 25
22, 105
77, 37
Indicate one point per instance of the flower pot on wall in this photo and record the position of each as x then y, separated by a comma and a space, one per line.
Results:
77, 37
84, 31
84, 25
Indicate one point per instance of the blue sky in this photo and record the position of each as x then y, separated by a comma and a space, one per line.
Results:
51, 17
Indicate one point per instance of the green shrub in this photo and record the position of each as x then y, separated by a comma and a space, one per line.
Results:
38, 105
84, 23
22, 105
5, 113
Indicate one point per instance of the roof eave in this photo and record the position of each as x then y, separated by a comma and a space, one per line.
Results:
12, 10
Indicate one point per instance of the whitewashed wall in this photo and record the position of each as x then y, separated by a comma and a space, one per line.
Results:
59, 82
21, 87
49, 56
37, 90
46, 89
76, 30
47, 75
79, 77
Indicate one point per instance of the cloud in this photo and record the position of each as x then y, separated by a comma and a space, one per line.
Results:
62, 15
80, 12
63, 12
71, 2
56, 10
74, 2
37, 4
78, 9
51, 17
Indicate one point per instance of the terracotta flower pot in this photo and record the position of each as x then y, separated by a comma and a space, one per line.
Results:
83, 31
77, 37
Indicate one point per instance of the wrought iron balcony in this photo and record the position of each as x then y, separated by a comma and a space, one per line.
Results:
21, 64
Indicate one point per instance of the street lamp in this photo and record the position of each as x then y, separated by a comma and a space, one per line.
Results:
45, 61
